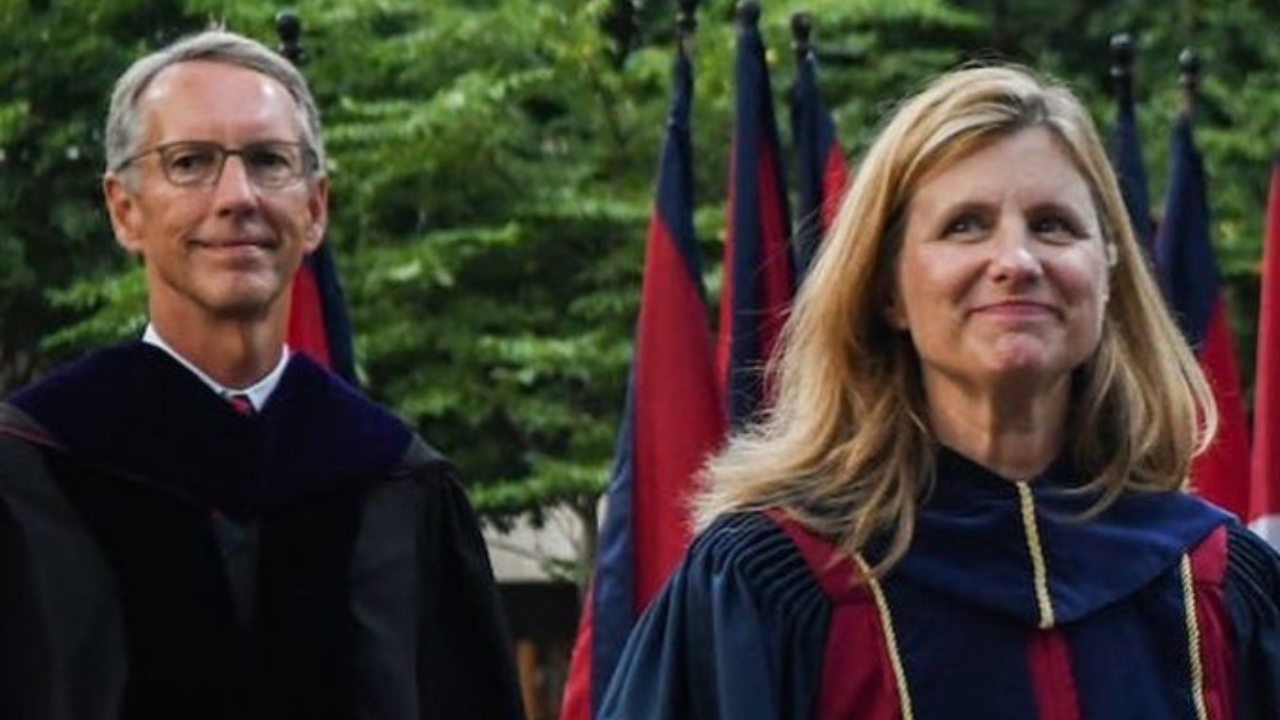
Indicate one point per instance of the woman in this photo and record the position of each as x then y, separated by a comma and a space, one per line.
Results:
966, 501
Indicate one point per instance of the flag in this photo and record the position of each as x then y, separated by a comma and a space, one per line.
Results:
1131, 171
672, 420
758, 276
319, 325
1264, 494
822, 170
318, 321
1189, 273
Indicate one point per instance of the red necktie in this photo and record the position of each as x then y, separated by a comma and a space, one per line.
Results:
241, 403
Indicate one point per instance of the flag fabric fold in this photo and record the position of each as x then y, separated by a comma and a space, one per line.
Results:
319, 324
1264, 495
1189, 272
821, 167
672, 421
1131, 170
758, 267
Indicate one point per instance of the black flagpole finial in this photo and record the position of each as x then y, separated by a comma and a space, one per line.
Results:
1189, 78
1122, 56
687, 17
686, 23
1121, 53
289, 30
802, 34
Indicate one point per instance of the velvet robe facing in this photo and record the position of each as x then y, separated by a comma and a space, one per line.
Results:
163, 556
1007, 605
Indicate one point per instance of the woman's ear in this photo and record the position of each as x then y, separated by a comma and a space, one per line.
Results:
891, 309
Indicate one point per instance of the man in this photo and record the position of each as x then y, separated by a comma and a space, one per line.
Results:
202, 524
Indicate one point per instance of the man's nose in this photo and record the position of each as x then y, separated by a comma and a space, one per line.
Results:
234, 189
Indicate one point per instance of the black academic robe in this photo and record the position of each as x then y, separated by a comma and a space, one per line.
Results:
162, 556
1009, 604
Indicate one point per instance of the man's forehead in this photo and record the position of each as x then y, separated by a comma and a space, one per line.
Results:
192, 75
202, 95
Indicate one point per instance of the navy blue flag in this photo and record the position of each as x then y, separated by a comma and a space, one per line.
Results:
1189, 272
759, 276
1131, 171
673, 419
822, 171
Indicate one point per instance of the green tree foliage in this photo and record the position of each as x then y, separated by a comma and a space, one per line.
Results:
57, 59
492, 163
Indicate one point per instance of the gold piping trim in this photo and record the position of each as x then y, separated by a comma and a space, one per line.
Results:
891, 637
1039, 575
1193, 639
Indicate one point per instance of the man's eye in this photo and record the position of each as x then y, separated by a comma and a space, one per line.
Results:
191, 160
266, 158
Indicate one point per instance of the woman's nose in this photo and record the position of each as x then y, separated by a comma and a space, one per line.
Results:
1013, 253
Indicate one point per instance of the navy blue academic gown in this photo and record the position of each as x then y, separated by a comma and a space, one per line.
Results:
162, 556
1007, 605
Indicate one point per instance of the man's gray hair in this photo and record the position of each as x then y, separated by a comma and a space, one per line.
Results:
124, 130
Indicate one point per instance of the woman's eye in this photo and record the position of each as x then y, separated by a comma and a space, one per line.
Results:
1054, 226
961, 226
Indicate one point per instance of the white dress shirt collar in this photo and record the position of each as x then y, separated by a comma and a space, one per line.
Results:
258, 392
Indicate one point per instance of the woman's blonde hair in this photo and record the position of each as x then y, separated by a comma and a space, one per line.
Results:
847, 448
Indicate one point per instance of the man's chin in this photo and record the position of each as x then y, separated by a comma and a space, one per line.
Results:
247, 304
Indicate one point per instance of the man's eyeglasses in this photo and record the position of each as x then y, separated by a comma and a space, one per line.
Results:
269, 165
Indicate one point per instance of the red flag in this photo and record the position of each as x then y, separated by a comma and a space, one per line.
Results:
1264, 495
319, 325
318, 322
758, 275
306, 317
1189, 272
673, 419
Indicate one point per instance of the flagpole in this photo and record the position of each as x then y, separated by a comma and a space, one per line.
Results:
821, 170
1189, 80
289, 30
1126, 142
686, 25
672, 420
1193, 288
805, 134
1122, 57
801, 34
759, 266
319, 322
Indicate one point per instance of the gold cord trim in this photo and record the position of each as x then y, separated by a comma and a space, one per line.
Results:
1193, 640
890, 636
1039, 574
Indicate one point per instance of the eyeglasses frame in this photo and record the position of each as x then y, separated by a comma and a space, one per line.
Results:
310, 160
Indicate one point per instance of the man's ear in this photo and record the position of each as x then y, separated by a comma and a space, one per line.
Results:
318, 208
126, 216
